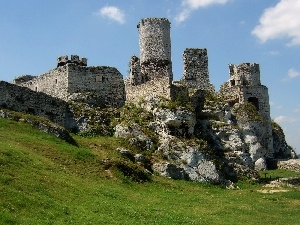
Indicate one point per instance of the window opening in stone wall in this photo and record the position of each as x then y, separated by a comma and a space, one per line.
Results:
55, 81
99, 79
254, 101
232, 82
35, 88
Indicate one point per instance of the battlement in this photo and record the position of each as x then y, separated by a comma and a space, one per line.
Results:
244, 74
63, 60
153, 20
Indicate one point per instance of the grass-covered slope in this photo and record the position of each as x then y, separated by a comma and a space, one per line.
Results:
44, 180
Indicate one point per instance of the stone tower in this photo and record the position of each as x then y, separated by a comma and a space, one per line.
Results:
244, 74
151, 74
195, 69
244, 86
155, 48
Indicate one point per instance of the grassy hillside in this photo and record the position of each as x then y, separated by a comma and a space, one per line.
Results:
44, 180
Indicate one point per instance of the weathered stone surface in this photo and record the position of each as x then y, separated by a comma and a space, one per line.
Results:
135, 135
291, 164
139, 158
22, 99
244, 86
260, 164
123, 151
281, 149
195, 69
179, 123
167, 169
72, 81
188, 157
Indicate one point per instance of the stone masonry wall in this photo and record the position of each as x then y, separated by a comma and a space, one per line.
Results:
245, 74
22, 99
244, 86
151, 74
154, 38
155, 48
153, 88
106, 83
54, 83
135, 76
195, 69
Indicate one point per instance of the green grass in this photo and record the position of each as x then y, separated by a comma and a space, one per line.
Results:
44, 180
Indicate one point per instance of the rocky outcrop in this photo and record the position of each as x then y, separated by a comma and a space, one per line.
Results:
292, 164
187, 156
134, 134
281, 149
178, 123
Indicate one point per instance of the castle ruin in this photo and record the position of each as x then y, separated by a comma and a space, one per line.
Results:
244, 86
73, 77
150, 75
195, 69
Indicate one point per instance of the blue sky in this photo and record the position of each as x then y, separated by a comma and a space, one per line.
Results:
33, 33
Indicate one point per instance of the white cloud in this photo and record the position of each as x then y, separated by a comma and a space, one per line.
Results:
282, 20
274, 53
112, 13
195, 4
281, 119
297, 110
292, 73
188, 6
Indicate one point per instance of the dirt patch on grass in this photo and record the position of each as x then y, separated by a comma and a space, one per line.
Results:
266, 191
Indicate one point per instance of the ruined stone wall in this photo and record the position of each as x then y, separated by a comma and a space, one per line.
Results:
260, 92
153, 88
244, 74
195, 69
135, 76
22, 99
54, 83
106, 82
151, 74
244, 86
22, 79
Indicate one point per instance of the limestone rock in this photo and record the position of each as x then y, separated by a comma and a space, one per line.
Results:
123, 151
139, 158
167, 169
190, 159
281, 149
179, 123
135, 135
253, 133
260, 164
292, 164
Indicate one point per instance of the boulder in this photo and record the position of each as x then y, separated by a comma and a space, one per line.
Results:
260, 164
